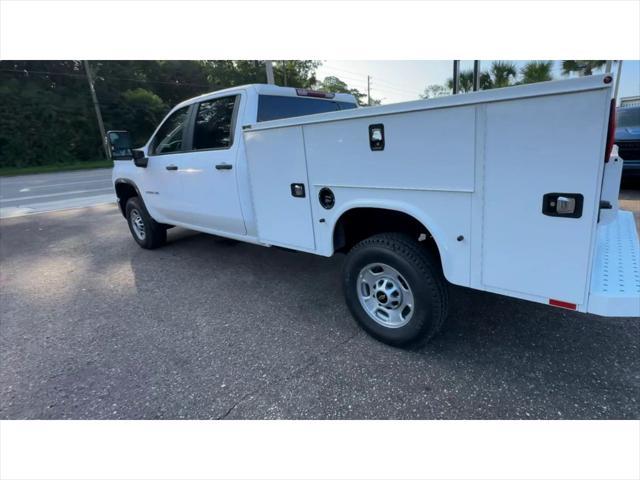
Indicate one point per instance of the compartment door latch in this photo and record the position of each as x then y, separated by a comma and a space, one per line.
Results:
562, 204
297, 190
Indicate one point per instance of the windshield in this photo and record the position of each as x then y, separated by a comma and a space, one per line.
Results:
628, 117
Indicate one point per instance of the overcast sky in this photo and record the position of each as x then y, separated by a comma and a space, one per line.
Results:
400, 80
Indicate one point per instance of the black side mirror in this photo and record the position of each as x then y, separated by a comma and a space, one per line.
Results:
119, 142
140, 159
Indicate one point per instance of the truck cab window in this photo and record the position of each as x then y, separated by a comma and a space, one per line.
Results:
213, 124
273, 107
169, 138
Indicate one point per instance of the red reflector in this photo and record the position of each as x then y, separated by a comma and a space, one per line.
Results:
611, 132
560, 303
303, 92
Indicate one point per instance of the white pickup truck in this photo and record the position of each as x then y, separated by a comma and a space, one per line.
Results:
512, 191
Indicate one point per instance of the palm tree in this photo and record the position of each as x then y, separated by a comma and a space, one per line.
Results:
581, 67
466, 81
502, 74
485, 81
539, 71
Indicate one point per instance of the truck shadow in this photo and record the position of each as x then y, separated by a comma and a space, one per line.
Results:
483, 328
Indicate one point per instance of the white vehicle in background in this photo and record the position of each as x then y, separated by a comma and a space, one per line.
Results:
512, 191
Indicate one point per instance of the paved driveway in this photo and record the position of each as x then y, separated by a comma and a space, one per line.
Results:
92, 326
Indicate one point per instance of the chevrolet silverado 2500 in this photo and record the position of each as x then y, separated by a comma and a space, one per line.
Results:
512, 191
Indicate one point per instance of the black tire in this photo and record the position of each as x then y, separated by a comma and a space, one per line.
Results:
154, 234
417, 268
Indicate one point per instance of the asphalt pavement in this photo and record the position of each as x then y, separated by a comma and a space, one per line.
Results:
46, 192
94, 327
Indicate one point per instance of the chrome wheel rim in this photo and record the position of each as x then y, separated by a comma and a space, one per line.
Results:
137, 223
385, 295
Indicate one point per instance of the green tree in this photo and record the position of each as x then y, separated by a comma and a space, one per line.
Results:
295, 73
537, 71
433, 91
502, 74
581, 67
335, 85
46, 112
141, 113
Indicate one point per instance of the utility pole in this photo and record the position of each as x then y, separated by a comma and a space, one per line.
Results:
476, 75
269, 67
96, 105
368, 90
456, 76
284, 71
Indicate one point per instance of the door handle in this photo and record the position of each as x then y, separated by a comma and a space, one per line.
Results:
171, 167
224, 166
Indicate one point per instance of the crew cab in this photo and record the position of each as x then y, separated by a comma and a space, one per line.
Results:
512, 191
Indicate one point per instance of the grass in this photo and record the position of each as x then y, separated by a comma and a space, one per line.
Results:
56, 167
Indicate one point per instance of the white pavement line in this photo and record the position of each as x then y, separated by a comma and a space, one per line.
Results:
26, 189
10, 212
38, 178
54, 194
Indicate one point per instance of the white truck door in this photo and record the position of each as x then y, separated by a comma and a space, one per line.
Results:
280, 188
162, 189
542, 157
208, 171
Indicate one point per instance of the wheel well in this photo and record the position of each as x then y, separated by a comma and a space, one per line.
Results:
125, 191
359, 223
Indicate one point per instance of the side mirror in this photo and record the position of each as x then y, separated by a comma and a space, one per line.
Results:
120, 146
140, 159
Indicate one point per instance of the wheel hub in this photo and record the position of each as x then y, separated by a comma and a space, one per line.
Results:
137, 222
385, 295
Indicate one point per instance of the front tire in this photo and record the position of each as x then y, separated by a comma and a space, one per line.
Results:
395, 289
145, 230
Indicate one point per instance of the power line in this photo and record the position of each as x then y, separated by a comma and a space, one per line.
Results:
396, 89
348, 77
392, 84
363, 80
344, 70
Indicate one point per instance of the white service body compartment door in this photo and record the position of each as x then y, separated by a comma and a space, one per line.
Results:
276, 160
538, 146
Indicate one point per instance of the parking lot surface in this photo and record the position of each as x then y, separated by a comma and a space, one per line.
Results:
94, 327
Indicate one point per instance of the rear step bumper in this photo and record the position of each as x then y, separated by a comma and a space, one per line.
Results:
615, 279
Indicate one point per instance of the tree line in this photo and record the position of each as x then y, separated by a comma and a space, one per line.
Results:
47, 116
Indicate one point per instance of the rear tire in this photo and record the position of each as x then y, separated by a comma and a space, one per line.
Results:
145, 230
395, 289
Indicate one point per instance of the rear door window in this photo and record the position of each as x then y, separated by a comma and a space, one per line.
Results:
273, 107
213, 126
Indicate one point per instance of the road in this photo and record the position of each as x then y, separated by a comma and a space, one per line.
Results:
54, 191
93, 327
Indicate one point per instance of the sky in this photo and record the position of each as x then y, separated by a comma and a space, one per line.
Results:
399, 80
